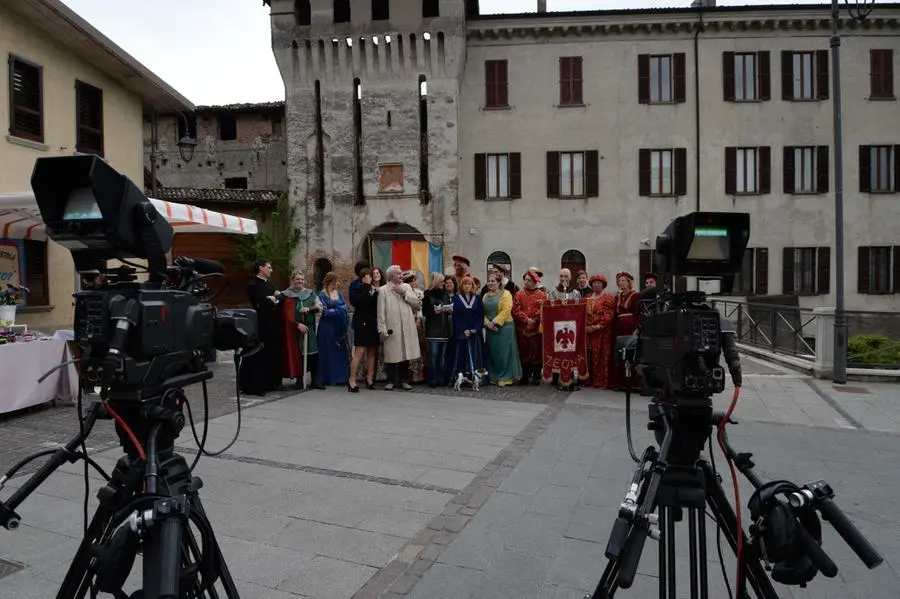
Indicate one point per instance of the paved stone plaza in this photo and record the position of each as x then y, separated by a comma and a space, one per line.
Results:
436, 495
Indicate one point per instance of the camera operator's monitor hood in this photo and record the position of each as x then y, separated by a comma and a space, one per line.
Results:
706, 244
97, 212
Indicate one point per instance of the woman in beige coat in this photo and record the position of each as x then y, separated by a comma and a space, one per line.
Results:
397, 308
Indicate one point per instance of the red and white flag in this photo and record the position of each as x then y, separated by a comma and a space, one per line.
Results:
564, 339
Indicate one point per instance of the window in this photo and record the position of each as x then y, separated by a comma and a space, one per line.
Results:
806, 271
430, 9
661, 78
89, 118
36, 273
879, 169
881, 74
573, 174
878, 270
496, 84
302, 13
662, 172
26, 100
806, 169
570, 81
501, 259
341, 11
753, 278
804, 75
747, 171
227, 127
746, 76
381, 10
498, 176
236, 183
574, 260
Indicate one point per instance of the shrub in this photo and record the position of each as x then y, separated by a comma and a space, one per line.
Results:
873, 349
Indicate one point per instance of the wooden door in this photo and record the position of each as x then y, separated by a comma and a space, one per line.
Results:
220, 247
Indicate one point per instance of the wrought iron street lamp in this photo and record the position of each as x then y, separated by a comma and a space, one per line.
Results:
186, 144
858, 10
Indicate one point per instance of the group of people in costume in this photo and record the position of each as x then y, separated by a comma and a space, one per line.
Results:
389, 328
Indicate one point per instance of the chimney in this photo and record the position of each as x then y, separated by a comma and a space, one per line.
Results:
703, 4
542, 6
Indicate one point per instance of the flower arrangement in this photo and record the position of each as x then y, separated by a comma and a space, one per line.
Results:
13, 295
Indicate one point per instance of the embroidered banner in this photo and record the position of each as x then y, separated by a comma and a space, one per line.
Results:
564, 340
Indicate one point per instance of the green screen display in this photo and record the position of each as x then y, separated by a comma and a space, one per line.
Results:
706, 232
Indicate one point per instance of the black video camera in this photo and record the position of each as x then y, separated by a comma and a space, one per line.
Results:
137, 336
680, 338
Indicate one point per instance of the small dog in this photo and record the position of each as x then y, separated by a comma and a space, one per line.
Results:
462, 379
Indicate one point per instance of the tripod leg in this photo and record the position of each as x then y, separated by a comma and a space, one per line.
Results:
663, 550
701, 535
752, 571
75, 584
224, 574
670, 549
693, 550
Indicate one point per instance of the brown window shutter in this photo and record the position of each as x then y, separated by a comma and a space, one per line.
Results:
592, 173
565, 97
490, 88
787, 75
896, 267
552, 174
887, 73
822, 175
728, 76
788, 169
644, 172
875, 76
680, 94
764, 163
822, 74
36, 281
480, 176
680, 164
761, 263
502, 83
764, 73
644, 78
730, 171
862, 270
645, 264
897, 168
865, 169
515, 175
787, 271
823, 271
577, 80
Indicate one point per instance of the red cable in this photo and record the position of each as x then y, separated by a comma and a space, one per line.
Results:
127, 429
737, 491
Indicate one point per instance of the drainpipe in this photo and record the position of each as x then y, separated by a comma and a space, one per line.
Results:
699, 27
154, 142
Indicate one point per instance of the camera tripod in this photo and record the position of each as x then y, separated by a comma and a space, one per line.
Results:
674, 479
149, 502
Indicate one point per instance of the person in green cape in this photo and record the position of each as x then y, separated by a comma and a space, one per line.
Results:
301, 307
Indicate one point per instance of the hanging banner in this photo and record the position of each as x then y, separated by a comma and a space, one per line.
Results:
564, 340
421, 257
10, 264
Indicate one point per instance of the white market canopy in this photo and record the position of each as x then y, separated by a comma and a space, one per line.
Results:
20, 218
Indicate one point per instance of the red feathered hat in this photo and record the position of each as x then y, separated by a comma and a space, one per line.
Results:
530, 274
625, 274
651, 276
600, 278
462, 259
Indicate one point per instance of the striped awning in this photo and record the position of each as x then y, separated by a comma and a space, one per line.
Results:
20, 218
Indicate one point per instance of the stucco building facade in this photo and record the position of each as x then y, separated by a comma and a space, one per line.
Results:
68, 89
575, 138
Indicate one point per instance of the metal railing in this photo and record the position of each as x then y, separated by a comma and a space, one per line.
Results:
788, 330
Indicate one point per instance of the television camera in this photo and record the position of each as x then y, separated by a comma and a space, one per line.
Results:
142, 343
677, 351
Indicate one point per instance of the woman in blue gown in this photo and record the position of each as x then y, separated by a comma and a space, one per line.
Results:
466, 351
334, 345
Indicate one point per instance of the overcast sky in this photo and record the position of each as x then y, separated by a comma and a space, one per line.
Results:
219, 52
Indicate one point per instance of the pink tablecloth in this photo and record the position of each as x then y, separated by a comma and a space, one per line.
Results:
22, 364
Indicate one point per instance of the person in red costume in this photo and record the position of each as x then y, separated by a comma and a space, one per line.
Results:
601, 308
526, 314
625, 322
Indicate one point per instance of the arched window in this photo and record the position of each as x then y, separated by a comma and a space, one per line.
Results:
322, 268
574, 261
501, 258
302, 12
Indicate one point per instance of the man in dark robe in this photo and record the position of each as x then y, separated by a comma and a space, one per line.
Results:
261, 372
505, 282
